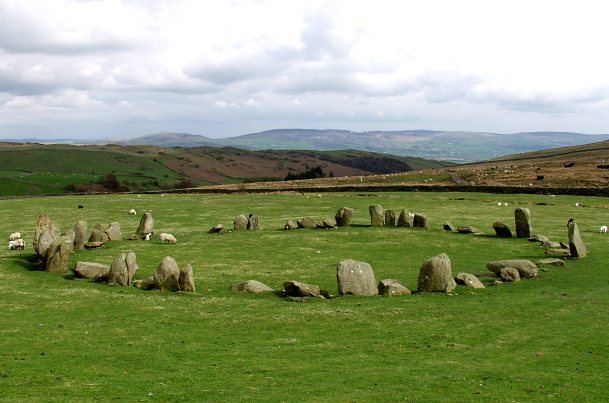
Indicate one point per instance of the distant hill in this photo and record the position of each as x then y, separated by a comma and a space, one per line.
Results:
169, 139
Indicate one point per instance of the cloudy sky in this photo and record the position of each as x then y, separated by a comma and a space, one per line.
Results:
91, 69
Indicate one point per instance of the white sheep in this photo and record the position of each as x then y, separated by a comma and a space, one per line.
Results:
147, 236
132, 212
499, 204
603, 229
17, 244
576, 204
504, 204
14, 236
167, 237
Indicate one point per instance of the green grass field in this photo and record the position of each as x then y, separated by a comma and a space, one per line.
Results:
540, 339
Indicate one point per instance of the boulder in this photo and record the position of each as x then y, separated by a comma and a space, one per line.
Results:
216, 229
389, 218
468, 230
290, 224
551, 245
96, 235
253, 222
356, 278
576, 244
405, 219
132, 266
58, 255
508, 275
550, 262
119, 273
539, 238
558, 252
92, 271
146, 227
502, 230
45, 233
240, 222
376, 216
80, 235
327, 223
469, 280
252, 286
448, 226
307, 222
298, 289
167, 275
522, 218
103, 237
70, 234
343, 217
526, 268
147, 283
93, 245
114, 231
186, 280
391, 287
436, 275
420, 221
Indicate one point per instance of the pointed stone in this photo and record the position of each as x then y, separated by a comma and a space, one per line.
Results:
45, 233
522, 218
436, 275
58, 255
577, 247
186, 281
80, 235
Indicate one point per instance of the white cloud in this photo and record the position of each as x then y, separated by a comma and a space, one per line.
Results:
220, 104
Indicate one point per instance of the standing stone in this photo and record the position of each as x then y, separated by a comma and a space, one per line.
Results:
389, 218
119, 273
420, 221
92, 271
240, 222
343, 217
70, 234
58, 255
167, 275
80, 235
448, 226
114, 231
405, 219
132, 266
522, 218
502, 230
376, 216
355, 278
186, 281
469, 280
392, 287
290, 224
96, 236
298, 289
146, 227
526, 268
307, 222
576, 245
46, 232
253, 222
436, 275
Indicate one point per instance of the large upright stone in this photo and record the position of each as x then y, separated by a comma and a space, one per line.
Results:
343, 217
186, 281
405, 219
96, 236
99, 229
114, 231
420, 221
46, 232
522, 218
146, 227
576, 244
80, 235
70, 234
58, 255
436, 275
355, 278
167, 275
240, 222
119, 273
389, 218
526, 268
132, 266
253, 222
376, 216
502, 230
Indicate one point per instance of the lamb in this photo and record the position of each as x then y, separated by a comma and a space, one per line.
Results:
14, 236
132, 212
147, 236
17, 244
603, 229
167, 237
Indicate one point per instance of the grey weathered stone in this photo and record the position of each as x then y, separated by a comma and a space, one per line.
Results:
80, 235
251, 286
119, 273
405, 219
92, 271
253, 222
550, 262
508, 274
93, 245
215, 229
551, 245
558, 252
376, 215
298, 289
468, 230
58, 255
114, 231
469, 280
539, 238
290, 224
522, 218
502, 230
355, 278
391, 287
186, 281
307, 222
132, 266
70, 234
327, 223
436, 275
577, 247
448, 226
526, 268
343, 217
146, 227
97, 234
45, 233
420, 221
147, 283
167, 275
240, 222
389, 218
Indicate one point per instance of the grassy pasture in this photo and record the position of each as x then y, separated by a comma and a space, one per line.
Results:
540, 339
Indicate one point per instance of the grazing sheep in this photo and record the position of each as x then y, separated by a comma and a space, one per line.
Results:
504, 204
167, 237
147, 236
80, 206
132, 212
576, 204
603, 229
499, 204
14, 236
17, 244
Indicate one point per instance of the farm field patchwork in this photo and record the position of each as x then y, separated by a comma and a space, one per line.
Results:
546, 338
